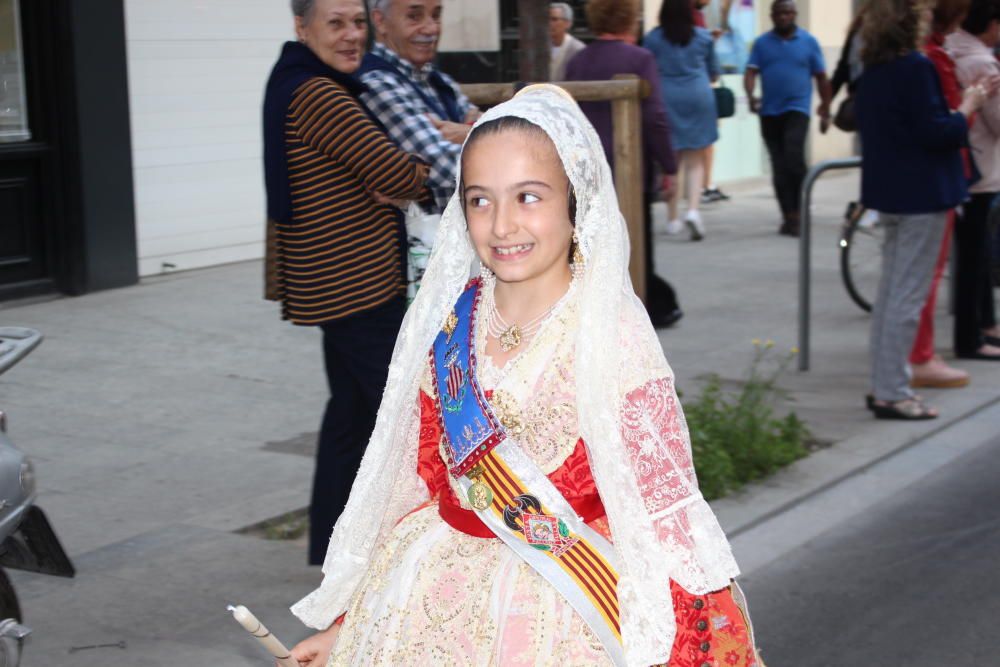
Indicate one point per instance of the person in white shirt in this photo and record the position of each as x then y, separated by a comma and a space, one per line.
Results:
564, 45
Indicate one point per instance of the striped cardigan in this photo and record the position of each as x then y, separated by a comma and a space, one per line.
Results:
340, 253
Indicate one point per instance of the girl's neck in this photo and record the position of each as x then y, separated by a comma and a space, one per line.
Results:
521, 302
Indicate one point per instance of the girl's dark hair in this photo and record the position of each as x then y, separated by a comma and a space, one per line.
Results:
981, 12
504, 124
677, 21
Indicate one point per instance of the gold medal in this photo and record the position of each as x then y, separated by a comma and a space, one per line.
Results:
480, 496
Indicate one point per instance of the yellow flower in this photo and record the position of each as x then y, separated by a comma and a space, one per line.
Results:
756, 342
795, 350
769, 344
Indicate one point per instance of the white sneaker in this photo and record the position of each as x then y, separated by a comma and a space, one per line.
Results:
674, 227
695, 225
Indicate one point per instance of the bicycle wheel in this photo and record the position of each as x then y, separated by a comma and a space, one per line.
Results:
861, 256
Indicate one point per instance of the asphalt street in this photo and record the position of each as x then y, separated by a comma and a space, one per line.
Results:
914, 580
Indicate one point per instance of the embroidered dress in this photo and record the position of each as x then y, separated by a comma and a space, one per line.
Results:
590, 543
436, 594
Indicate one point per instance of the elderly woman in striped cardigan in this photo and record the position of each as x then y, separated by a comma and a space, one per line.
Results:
338, 247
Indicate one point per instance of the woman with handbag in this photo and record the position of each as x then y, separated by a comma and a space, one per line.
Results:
339, 260
528, 496
846, 76
685, 56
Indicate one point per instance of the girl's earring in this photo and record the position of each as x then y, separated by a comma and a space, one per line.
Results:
486, 274
578, 265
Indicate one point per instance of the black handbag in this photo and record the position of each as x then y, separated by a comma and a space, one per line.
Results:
845, 119
725, 102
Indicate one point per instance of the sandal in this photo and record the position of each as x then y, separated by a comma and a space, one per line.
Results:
907, 409
870, 400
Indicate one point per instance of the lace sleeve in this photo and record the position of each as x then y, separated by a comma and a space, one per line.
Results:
655, 434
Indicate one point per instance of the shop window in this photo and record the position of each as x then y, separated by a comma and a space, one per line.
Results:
13, 110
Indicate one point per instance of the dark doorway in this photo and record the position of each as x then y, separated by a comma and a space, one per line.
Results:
26, 259
67, 218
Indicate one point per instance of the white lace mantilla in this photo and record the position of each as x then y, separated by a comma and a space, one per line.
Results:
625, 403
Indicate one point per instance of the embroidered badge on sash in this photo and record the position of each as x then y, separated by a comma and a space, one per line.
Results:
455, 387
543, 532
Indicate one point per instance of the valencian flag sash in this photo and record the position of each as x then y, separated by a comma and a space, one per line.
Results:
511, 495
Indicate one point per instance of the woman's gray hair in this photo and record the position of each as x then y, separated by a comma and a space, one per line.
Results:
303, 8
567, 11
381, 5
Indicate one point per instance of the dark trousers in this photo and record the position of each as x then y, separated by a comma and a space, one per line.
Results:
661, 300
357, 351
785, 137
974, 309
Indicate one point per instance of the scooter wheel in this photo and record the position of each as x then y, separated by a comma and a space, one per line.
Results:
9, 607
10, 612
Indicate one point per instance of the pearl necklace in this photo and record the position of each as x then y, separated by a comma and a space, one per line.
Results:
512, 335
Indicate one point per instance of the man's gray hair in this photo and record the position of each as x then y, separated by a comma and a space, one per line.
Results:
567, 11
381, 5
303, 8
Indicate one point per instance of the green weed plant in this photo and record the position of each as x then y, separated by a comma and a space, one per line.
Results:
736, 436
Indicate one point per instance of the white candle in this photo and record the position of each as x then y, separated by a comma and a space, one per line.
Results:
264, 636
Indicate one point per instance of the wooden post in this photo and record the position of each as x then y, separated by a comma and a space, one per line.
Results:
625, 93
626, 122
535, 45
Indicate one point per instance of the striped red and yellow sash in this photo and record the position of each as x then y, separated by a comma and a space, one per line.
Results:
574, 554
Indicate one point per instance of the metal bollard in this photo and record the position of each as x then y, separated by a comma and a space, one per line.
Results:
805, 250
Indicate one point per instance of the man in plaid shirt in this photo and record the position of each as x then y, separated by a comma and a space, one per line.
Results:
422, 109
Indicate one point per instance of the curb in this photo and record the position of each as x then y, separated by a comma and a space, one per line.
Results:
766, 499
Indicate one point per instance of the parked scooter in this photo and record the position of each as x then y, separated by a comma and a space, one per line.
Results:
27, 541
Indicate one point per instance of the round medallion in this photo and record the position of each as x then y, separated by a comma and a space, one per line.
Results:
480, 496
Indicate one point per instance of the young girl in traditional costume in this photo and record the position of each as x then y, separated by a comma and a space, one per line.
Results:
528, 495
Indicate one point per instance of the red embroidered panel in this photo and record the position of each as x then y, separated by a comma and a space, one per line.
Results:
430, 467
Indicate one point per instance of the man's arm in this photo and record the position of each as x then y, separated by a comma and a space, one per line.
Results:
724, 8
405, 117
818, 66
749, 86
825, 96
750, 76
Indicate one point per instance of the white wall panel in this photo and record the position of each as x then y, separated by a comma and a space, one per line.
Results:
197, 70
470, 25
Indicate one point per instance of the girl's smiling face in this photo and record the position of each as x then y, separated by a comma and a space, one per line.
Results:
516, 199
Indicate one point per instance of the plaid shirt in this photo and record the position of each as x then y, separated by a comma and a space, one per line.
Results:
404, 113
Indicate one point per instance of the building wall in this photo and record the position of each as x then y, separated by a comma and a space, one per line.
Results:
197, 70
828, 22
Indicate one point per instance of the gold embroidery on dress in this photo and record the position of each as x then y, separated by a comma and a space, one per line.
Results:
533, 394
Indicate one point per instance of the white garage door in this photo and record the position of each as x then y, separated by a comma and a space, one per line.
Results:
197, 70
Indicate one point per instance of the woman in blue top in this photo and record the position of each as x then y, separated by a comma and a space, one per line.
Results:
912, 175
685, 56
